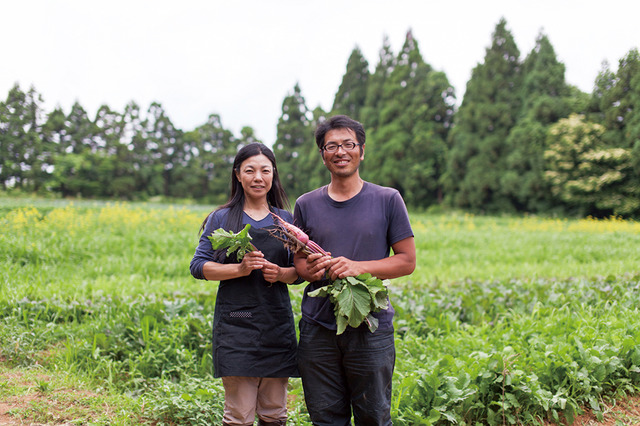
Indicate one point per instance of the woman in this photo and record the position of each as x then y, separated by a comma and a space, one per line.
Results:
254, 338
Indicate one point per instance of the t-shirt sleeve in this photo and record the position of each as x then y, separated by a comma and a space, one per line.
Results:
297, 215
400, 226
204, 252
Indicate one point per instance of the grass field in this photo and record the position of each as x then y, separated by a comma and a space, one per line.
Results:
506, 320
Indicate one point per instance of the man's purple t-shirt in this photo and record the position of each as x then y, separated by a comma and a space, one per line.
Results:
361, 228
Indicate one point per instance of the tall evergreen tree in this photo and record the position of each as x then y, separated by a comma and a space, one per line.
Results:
82, 132
163, 142
139, 156
82, 165
110, 129
292, 142
54, 131
213, 149
38, 159
21, 150
376, 82
545, 99
247, 136
619, 101
352, 93
115, 171
407, 149
488, 112
616, 102
315, 173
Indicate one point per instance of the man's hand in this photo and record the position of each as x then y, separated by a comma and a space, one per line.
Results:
342, 267
317, 264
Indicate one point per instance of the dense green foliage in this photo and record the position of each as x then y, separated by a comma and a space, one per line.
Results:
488, 112
522, 139
355, 299
506, 320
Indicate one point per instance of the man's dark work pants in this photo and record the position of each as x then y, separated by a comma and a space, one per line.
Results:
350, 370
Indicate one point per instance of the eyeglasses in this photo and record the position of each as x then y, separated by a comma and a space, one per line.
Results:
333, 147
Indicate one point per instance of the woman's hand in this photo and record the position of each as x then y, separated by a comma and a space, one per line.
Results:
272, 272
251, 261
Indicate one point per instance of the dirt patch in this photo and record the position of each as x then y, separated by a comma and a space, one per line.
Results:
35, 403
623, 412
40, 405
57, 408
618, 413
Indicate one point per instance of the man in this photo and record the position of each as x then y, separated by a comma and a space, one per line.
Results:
358, 223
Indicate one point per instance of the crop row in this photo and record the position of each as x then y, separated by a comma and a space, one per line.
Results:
491, 352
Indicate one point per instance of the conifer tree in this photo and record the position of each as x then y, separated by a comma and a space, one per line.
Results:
110, 127
292, 142
315, 173
544, 95
138, 156
54, 130
81, 131
164, 141
118, 180
81, 167
376, 81
214, 149
616, 102
618, 98
38, 161
488, 112
352, 93
21, 150
407, 149
247, 136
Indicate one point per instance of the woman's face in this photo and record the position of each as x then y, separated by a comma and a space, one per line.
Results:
256, 175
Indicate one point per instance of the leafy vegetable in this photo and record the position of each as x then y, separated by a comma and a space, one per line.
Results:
294, 238
355, 299
239, 242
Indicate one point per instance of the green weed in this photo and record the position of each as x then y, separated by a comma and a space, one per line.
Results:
505, 320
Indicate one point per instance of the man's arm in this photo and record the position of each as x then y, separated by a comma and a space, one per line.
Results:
402, 262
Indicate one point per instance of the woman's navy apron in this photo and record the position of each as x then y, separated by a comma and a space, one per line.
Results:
253, 329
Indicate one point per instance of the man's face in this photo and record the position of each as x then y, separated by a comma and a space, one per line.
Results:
342, 162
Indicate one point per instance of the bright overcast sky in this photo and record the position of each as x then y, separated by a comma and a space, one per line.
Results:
239, 59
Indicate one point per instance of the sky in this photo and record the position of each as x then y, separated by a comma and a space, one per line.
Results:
240, 59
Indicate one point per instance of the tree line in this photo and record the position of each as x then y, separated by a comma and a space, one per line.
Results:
522, 139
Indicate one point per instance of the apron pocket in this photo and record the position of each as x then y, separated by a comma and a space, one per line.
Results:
279, 330
238, 327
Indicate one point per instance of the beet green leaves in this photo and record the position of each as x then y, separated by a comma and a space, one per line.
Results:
355, 299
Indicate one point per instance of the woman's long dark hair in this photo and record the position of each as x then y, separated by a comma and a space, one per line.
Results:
276, 197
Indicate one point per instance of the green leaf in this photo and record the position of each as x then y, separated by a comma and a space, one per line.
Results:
372, 323
355, 299
239, 242
320, 292
353, 302
341, 322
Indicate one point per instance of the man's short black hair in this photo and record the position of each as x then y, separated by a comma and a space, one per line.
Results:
339, 122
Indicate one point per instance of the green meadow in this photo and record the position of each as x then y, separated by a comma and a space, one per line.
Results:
506, 320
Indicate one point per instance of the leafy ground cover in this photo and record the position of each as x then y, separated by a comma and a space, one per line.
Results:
505, 321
